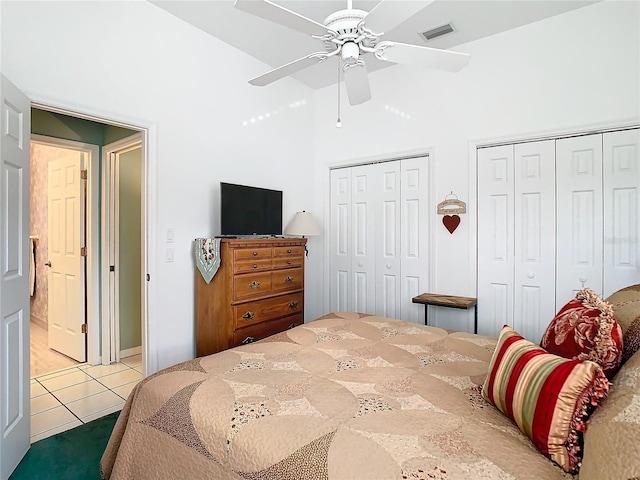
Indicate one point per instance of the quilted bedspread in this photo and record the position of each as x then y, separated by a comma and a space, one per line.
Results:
347, 396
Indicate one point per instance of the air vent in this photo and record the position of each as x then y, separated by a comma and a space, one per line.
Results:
437, 32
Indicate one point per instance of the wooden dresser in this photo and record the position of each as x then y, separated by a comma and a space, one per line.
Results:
257, 291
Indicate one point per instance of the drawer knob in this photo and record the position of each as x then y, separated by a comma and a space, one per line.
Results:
293, 325
254, 285
248, 315
289, 251
288, 279
255, 254
248, 340
293, 304
255, 266
289, 262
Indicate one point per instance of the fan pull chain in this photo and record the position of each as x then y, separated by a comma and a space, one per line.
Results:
338, 123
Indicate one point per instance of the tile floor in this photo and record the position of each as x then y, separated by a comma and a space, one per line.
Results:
70, 397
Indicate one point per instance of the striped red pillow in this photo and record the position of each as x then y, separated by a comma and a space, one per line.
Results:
550, 398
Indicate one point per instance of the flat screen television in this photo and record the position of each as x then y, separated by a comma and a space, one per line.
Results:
246, 210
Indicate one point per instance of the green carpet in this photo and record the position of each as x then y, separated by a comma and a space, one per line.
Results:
71, 455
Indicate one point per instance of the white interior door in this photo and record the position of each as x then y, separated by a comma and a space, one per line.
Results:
386, 203
414, 236
14, 277
621, 152
496, 189
364, 191
534, 249
340, 243
66, 299
579, 216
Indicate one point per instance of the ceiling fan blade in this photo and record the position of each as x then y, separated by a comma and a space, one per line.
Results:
283, 16
288, 69
356, 80
388, 14
417, 55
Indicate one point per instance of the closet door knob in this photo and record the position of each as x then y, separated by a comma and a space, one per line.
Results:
360, 264
388, 266
48, 264
531, 275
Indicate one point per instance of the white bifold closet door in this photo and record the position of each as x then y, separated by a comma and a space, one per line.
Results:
516, 246
379, 238
621, 166
555, 216
580, 219
598, 205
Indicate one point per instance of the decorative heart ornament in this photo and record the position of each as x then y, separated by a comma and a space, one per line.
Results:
451, 222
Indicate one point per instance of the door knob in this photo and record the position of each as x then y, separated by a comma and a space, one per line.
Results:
48, 264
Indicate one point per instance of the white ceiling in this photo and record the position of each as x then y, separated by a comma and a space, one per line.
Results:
276, 45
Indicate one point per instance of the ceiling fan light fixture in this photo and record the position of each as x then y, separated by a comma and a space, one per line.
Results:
350, 53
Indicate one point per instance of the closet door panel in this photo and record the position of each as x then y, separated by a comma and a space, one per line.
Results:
414, 237
621, 152
365, 186
340, 287
495, 238
387, 266
579, 224
534, 293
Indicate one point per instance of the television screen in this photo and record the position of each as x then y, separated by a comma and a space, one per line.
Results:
248, 210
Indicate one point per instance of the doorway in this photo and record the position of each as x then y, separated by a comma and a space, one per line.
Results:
63, 244
65, 391
61, 132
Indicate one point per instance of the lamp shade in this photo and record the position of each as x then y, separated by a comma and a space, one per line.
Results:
302, 224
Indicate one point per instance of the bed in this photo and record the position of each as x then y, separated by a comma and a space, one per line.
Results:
345, 396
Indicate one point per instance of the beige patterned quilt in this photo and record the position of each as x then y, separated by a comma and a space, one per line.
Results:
347, 396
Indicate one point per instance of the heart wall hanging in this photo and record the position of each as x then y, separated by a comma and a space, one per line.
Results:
451, 222
450, 207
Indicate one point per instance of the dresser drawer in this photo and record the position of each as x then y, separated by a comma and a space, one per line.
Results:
251, 285
265, 329
252, 265
284, 251
262, 310
288, 262
289, 279
245, 253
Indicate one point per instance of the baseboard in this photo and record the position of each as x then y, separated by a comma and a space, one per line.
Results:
130, 352
38, 321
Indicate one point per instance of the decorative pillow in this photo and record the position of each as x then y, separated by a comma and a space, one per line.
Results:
550, 398
585, 329
626, 309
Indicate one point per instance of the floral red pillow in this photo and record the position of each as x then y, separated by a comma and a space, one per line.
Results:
585, 329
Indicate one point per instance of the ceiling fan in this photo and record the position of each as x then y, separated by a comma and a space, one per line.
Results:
352, 34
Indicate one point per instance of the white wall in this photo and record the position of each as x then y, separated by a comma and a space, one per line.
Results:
565, 73
134, 62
